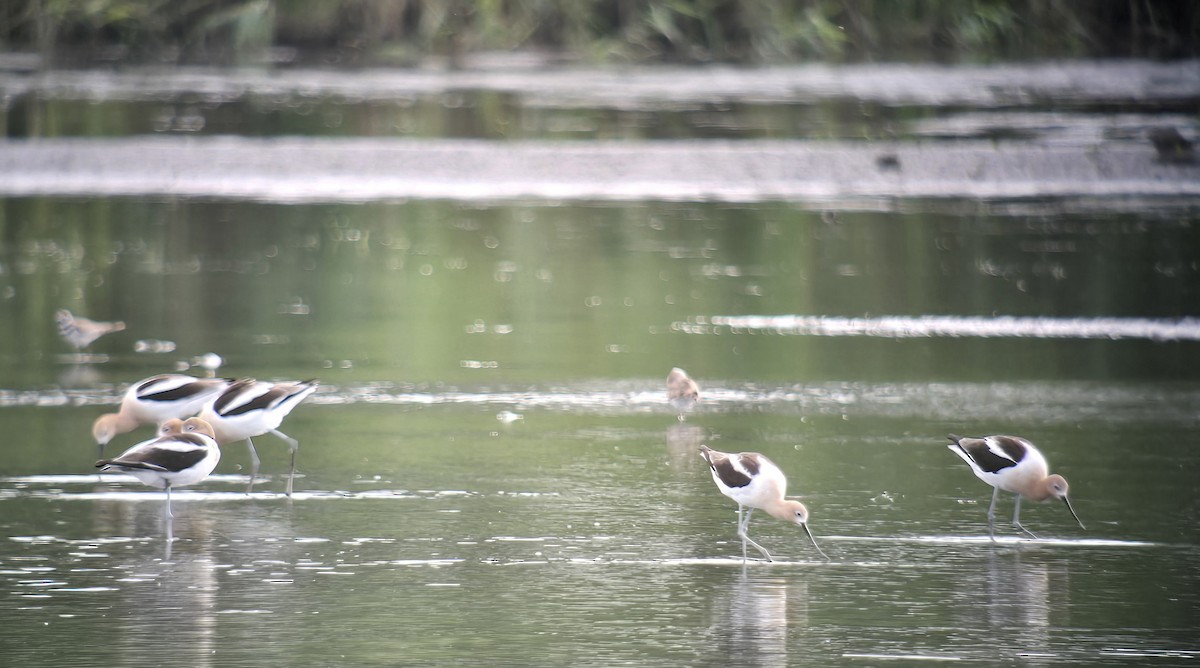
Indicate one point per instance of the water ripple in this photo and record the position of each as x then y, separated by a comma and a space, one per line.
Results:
1024, 401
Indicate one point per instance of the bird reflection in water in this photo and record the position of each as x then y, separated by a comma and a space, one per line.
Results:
752, 619
1014, 603
683, 440
164, 591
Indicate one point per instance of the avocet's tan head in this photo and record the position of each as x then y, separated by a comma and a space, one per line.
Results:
1056, 486
195, 425
792, 511
796, 513
171, 427
106, 427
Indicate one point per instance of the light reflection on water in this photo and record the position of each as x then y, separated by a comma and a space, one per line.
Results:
1018, 402
419, 510
431, 525
241, 575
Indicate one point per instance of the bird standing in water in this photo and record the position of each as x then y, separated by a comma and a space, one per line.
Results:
682, 391
755, 482
154, 400
80, 332
1012, 464
249, 408
184, 453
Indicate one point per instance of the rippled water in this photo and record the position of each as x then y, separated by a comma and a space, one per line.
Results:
490, 472
589, 532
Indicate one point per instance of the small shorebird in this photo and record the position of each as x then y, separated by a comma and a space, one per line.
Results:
755, 482
249, 408
682, 391
185, 453
210, 362
80, 332
156, 399
1012, 464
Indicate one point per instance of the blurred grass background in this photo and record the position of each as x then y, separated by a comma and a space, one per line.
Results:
412, 32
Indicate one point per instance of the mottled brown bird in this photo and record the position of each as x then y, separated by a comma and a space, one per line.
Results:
81, 332
682, 391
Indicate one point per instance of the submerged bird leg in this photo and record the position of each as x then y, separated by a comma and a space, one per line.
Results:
254, 462
293, 445
743, 528
992, 513
1017, 519
741, 534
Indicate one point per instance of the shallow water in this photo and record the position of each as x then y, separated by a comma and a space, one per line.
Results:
586, 535
491, 473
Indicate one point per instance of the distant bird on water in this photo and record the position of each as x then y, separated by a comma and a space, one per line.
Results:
249, 408
184, 453
210, 362
682, 391
1012, 464
755, 482
154, 400
1171, 146
80, 332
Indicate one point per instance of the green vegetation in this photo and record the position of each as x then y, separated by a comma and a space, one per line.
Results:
366, 32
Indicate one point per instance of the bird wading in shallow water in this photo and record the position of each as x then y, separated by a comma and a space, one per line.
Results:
249, 408
1012, 464
184, 453
682, 391
79, 332
153, 401
755, 482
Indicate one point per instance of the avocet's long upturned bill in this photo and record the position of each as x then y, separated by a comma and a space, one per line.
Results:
755, 482
184, 454
249, 408
80, 332
154, 400
1012, 464
682, 391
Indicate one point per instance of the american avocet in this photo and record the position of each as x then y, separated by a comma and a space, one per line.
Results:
80, 332
1012, 464
154, 400
185, 453
249, 408
682, 391
755, 482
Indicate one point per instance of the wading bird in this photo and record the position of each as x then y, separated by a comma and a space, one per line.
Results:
153, 401
80, 332
1012, 464
184, 453
755, 482
682, 391
249, 408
